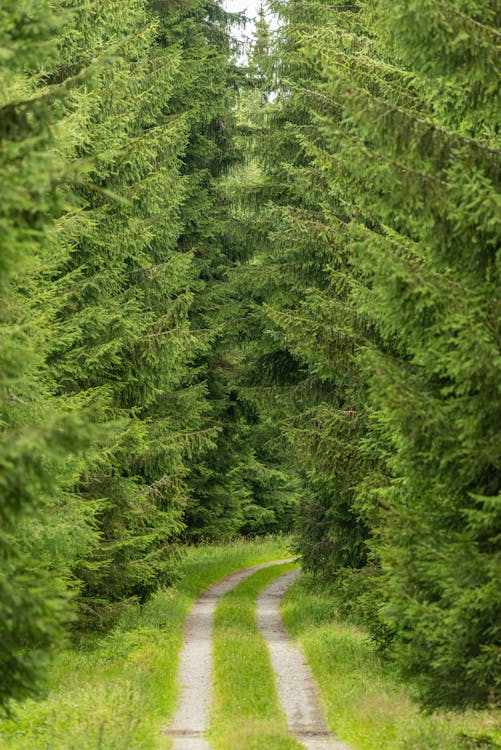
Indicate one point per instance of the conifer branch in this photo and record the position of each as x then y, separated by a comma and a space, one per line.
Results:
410, 116
468, 19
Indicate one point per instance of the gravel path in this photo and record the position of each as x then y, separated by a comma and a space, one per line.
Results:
296, 687
191, 719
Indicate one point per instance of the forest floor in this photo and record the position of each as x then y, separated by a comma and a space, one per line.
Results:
119, 691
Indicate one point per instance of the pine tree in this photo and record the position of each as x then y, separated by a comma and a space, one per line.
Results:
126, 346
401, 123
42, 527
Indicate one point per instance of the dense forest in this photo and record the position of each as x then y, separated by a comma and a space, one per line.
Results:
242, 298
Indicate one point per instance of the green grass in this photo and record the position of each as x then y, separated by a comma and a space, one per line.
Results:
119, 691
246, 713
366, 704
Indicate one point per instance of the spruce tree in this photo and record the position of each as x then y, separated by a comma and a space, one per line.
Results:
125, 343
303, 353
400, 119
246, 488
206, 94
43, 528
231, 489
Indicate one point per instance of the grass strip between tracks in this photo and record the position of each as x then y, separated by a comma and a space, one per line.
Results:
117, 691
246, 714
367, 706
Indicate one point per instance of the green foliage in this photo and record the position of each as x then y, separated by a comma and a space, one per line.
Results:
210, 312
118, 690
120, 424
382, 164
366, 704
301, 326
42, 527
238, 486
113, 135
124, 343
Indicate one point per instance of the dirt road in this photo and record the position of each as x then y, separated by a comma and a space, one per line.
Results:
296, 688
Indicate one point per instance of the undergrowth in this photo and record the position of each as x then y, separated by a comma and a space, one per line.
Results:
367, 706
117, 692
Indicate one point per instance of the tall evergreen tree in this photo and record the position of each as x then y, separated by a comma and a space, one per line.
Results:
260, 490
125, 343
297, 291
231, 489
43, 528
398, 127
206, 91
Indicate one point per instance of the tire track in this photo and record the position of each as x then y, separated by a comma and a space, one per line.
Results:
296, 687
191, 718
